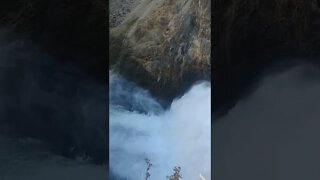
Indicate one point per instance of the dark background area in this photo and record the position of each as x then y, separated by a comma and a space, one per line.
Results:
71, 30
251, 35
54, 74
265, 89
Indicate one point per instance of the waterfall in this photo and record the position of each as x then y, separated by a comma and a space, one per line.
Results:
140, 128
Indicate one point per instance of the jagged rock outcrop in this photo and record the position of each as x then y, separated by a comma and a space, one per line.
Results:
164, 45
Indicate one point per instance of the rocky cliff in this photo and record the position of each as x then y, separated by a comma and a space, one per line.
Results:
164, 45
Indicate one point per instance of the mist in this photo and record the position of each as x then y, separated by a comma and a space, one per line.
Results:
140, 128
274, 132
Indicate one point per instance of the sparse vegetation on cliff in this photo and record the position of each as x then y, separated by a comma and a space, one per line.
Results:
165, 45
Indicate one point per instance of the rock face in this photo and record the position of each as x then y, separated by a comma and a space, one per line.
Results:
118, 10
164, 45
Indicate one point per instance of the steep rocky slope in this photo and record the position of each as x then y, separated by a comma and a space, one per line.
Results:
118, 10
164, 45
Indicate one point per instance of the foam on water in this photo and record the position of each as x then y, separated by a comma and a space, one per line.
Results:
140, 128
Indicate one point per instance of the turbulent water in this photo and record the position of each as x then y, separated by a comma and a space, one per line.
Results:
140, 128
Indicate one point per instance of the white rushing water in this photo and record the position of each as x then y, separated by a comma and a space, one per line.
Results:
140, 128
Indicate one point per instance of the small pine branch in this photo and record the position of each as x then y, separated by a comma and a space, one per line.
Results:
149, 164
176, 174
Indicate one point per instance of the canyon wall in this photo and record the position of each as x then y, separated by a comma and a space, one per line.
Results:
164, 45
